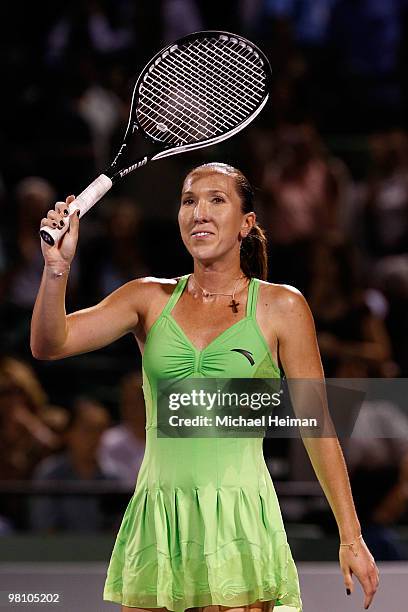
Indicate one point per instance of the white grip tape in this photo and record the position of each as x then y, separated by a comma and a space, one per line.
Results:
86, 199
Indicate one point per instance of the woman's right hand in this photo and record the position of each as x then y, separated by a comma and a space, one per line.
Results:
59, 256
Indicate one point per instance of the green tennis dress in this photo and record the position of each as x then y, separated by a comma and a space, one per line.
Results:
203, 526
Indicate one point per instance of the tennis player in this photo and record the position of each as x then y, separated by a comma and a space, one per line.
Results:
204, 527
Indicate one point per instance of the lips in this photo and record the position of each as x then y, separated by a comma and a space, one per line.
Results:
201, 234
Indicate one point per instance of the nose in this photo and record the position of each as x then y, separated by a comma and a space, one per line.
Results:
201, 211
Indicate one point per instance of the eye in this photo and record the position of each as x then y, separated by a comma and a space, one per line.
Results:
218, 199
188, 201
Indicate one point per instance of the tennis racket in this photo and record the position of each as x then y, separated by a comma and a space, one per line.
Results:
198, 91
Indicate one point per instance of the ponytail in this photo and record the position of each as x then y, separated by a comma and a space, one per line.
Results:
253, 255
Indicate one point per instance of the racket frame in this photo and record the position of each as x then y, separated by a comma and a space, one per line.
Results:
169, 149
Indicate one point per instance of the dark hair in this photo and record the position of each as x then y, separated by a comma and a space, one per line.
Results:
254, 258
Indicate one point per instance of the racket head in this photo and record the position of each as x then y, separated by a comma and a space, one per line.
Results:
199, 90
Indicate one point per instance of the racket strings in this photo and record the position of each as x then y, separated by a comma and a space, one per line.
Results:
200, 90
187, 70
203, 90
218, 88
198, 115
189, 106
233, 66
182, 96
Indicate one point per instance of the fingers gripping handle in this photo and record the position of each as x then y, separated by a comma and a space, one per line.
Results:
86, 199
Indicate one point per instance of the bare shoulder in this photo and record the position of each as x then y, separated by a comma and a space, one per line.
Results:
148, 285
140, 293
284, 303
282, 297
151, 292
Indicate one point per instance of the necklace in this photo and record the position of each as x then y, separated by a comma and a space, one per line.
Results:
233, 304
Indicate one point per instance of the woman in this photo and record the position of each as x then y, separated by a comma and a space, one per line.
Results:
204, 526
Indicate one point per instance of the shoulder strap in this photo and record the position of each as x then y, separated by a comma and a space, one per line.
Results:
252, 298
176, 294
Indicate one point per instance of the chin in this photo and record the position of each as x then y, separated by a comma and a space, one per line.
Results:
204, 255
203, 251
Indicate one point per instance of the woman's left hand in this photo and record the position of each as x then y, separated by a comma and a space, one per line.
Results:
363, 566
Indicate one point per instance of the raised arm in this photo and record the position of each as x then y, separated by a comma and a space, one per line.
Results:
300, 358
55, 335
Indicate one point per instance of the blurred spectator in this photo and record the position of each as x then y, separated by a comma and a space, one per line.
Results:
310, 18
303, 191
19, 284
365, 38
251, 11
64, 138
181, 17
391, 277
35, 196
353, 341
115, 256
368, 34
24, 438
377, 459
6, 527
101, 108
383, 219
56, 418
22, 376
122, 446
78, 462
91, 24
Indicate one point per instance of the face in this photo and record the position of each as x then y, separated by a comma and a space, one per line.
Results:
85, 434
210, 218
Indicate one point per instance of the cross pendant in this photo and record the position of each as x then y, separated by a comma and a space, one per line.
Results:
233, 304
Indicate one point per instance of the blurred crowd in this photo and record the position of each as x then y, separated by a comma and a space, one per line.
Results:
43, 442
328, 158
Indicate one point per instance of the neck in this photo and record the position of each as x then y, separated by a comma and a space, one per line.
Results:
217, 279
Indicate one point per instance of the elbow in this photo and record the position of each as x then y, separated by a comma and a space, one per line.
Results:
40, 351
36, 351
41, 355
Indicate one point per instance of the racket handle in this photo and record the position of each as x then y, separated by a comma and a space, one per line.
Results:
86, 199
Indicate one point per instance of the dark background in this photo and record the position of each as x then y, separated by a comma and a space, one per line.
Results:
328, 158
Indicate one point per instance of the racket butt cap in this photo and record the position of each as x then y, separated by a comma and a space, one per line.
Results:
47, 237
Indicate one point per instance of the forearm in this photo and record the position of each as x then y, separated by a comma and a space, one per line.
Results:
328, 463
49, 320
